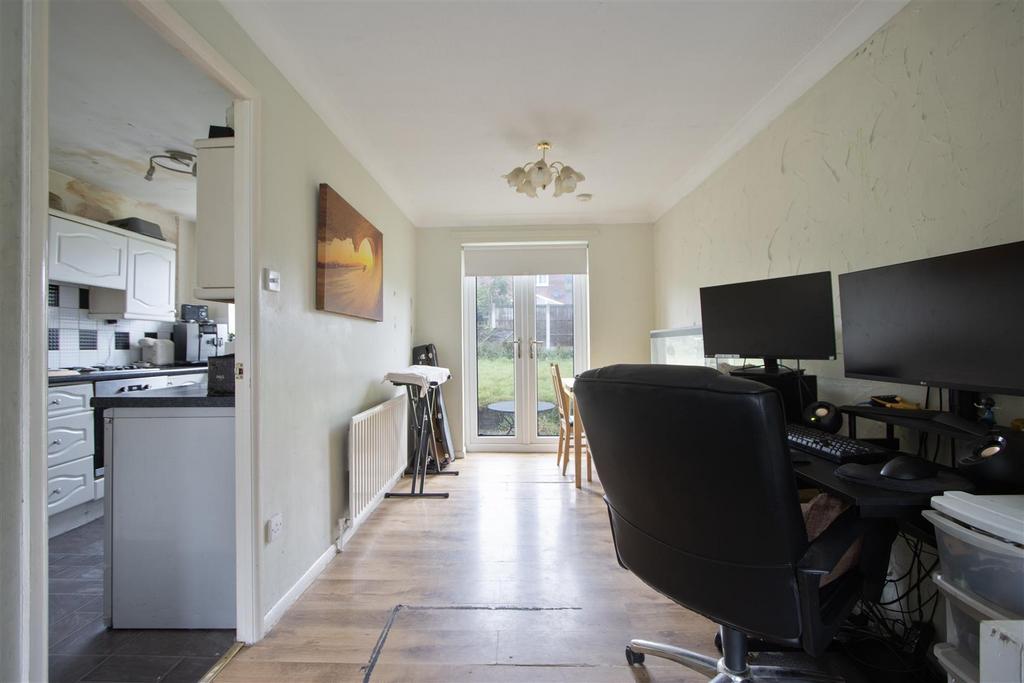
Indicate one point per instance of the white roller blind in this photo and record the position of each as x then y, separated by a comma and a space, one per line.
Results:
534, 258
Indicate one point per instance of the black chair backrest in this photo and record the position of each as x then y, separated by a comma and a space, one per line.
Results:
700, 489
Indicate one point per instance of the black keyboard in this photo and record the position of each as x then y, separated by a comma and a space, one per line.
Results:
838, 449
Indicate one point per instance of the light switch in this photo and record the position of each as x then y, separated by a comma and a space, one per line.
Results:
271, 280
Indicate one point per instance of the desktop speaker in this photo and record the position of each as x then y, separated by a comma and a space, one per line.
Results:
995, 462
824, 416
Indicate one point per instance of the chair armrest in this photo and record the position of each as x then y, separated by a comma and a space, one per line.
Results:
827, 549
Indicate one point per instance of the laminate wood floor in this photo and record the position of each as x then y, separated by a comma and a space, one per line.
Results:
513, 578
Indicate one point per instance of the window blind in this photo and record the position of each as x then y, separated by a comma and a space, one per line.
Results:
534, 258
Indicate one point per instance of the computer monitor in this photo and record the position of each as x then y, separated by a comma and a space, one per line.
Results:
952, 321
784, 317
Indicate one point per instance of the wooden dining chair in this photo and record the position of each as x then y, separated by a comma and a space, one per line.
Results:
566, 419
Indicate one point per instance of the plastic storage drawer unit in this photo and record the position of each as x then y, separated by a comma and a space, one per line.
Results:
964, 614
957, 669
980, 541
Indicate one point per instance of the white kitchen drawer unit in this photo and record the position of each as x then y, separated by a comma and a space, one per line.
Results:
69, 485
83, 254
68, 398
68, 438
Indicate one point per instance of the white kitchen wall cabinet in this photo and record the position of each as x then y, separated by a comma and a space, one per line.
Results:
150, 290
83, 252
215, 223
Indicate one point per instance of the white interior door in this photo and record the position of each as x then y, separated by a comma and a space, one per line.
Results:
515, 327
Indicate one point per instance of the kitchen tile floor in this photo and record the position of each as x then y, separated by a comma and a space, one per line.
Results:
83, 649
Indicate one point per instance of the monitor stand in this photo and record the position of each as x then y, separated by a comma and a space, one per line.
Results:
797, 389
771, 367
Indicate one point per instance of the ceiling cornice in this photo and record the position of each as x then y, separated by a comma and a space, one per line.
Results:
532, 219
866, 18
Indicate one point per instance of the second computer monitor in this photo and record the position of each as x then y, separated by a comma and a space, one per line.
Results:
785, 317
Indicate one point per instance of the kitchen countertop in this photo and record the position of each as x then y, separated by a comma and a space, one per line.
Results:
128, 374
190, 396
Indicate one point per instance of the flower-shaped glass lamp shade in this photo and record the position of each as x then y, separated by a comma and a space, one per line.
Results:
515, 177
566, 181
527, 188
539, 173
574, 173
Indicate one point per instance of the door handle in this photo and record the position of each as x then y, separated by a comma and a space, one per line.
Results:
519, 351
533, 347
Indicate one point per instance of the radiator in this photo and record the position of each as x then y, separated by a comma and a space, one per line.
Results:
377, 457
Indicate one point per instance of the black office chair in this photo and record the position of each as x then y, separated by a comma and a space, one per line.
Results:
704, 509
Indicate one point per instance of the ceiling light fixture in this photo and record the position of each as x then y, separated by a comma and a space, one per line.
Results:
173, 160
538, 175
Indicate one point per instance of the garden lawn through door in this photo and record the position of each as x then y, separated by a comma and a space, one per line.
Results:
516, 327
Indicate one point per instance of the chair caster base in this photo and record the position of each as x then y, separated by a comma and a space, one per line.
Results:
781, 669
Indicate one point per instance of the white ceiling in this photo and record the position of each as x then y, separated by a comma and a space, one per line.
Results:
119, 93
438, 100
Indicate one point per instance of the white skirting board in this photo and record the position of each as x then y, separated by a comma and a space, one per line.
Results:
271, 618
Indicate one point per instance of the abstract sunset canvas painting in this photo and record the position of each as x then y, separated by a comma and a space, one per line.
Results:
349, 260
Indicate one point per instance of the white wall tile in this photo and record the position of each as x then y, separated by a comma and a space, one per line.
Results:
70, 359
68, 318
68, 297
52, 359
68, 339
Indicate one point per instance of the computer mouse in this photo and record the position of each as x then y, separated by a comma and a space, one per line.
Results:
908, 468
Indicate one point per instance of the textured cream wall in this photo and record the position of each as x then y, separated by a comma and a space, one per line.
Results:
621, 296
911, 147
315, 369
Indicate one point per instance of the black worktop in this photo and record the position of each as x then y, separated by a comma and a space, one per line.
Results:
155, 371
189, 396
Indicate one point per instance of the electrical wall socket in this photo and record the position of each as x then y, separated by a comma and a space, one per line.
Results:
275, 525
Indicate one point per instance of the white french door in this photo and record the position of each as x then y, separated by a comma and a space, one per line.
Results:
515, 327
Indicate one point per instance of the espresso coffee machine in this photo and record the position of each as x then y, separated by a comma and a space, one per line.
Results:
195, 342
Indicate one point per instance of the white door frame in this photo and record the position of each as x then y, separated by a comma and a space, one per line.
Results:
23, 218
525, 365
162, 18
24, 653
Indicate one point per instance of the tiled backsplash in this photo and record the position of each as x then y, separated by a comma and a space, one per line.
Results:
76, 339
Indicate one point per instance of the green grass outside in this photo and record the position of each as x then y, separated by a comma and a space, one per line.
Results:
496, 382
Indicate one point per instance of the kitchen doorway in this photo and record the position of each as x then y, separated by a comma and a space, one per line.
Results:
27, 553
514, 328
